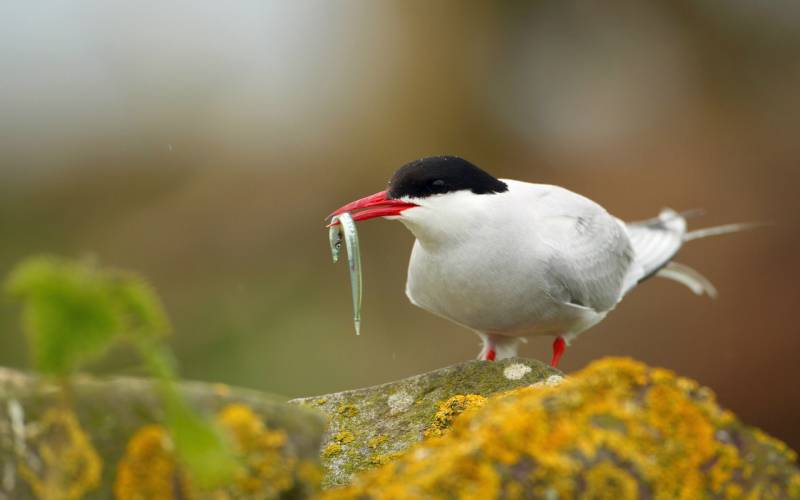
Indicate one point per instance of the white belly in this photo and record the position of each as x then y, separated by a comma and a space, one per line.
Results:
500, 289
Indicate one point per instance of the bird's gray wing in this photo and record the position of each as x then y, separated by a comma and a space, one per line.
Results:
590, 259
656, 241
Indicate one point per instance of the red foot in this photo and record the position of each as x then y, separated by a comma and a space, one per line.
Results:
490, 355
558, 349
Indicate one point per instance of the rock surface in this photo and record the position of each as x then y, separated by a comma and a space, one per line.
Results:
369, 427
509, 429
617, 429
107, 439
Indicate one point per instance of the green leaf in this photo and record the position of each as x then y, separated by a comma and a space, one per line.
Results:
67, 314
73, 310
200, 446
144, 313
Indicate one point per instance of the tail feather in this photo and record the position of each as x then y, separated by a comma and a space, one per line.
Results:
668, 215
717, 230
689, 277
656, 242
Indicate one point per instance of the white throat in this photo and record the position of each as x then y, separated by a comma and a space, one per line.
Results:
448, 219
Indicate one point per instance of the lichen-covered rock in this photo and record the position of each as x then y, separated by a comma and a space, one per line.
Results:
104, 441
615, 430
370, 427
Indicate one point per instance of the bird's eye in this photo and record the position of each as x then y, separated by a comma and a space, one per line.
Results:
438, 184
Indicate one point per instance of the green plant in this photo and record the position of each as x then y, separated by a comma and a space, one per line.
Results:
74, 311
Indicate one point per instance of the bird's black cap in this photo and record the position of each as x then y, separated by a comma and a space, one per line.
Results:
439, 175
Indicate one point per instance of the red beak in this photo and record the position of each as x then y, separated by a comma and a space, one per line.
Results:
376, 205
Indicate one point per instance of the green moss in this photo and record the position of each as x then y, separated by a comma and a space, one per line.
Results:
613, 430
386, 419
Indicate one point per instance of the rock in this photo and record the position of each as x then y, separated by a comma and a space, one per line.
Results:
617, 429
105, 437
368, 427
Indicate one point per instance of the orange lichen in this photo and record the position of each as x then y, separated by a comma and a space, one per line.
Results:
265, 470
615, 430
450, 409
69, 465
149, 469
608, 481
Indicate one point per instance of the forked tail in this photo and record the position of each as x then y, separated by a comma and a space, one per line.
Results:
656, 242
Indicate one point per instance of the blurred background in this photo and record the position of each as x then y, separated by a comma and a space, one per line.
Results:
202, 144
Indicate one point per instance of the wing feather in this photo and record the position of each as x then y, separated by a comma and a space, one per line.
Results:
591, 255
656, 241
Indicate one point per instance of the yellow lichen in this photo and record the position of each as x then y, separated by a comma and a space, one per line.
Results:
514, 490
763, 438
320, 401
344, 437
69, 465
331, 450
794, 485
384, 459
614, 430
347, 410
733, 492
450, 409
266, 471
377, 441
149, 469
722, 471
608, 481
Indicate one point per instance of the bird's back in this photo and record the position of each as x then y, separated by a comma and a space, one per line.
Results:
538, 260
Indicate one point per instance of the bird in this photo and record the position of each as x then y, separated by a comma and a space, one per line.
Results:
510, 260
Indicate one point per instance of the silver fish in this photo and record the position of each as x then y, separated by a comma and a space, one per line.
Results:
335, 238
354, 263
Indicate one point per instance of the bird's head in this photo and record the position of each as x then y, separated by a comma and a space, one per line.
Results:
431, 196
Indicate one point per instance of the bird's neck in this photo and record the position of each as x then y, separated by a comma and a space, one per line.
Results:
435, 233
452, 220
428, 236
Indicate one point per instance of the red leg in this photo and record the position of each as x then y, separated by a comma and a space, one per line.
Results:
558, 349
490, 354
